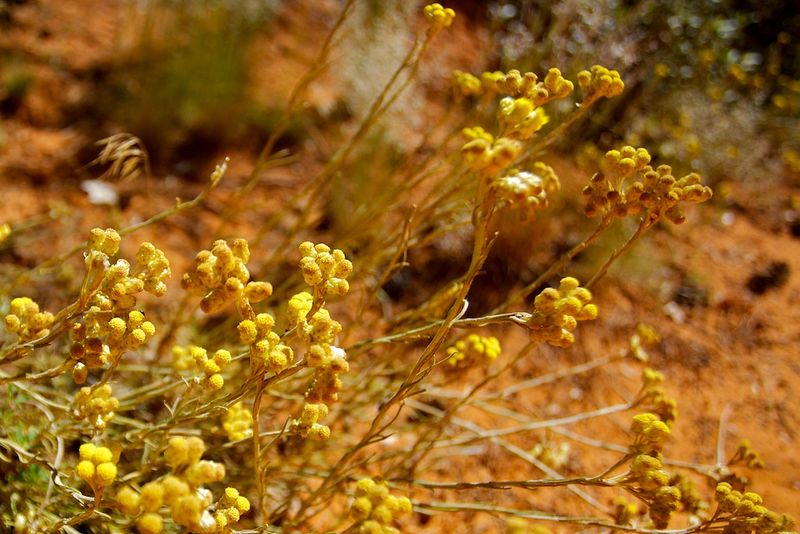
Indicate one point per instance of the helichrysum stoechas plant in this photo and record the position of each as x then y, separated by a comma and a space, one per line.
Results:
265, 412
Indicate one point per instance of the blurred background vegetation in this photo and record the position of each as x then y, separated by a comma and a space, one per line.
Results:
711, 85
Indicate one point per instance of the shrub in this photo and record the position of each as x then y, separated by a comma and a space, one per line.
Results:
261, 398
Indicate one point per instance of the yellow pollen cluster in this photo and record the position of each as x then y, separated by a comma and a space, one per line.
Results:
118, 288
746, 454
487, 155
375, 509
527, 85
230, 508
472, 349
747, 513
552, 454
104, 241
653, 485
97, 466
184, 451
221, 276
307, 425
329, 362
191, 504
130, 334
664, 406
466, 84
644, 336
324, 269
156, 268
25, 319
654, 190
265, 345
238, 422
439, 16
599, 82
520, 118
97, 341
196, 359
96, 405
319, 329
650, 432
529, 191
149, 500
557, 312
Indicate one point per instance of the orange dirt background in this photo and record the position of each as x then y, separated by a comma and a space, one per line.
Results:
730, 349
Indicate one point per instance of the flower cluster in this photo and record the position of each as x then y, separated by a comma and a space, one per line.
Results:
324, 269
221, 276
191, 506
97, 340
266, 348
439, 16
520, 118
122, 334
307, 425
26, 320
197, 358
183, 492
557, 311
529, 191
184, 454
238, 422
552, 454
527, 85
466, 84
104, 241
375, 509
652, 484
746, 512
473, 348
229, 509
746, 454
329, 362
155, 267
487, 155
664, 406
599, 82
319, 333
644, 336
650, 433
95, 404
97, 466
120, 283
149, 500
633, 186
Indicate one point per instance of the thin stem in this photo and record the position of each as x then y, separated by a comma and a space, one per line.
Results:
644, 225
557, 266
